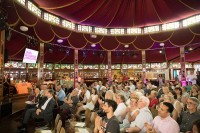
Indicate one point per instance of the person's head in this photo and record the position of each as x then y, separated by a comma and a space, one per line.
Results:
173, 93
143, 102
113, 88
139, 85
178, 90
133, 94
165, 89
49, 93
196, 126
153, 94
168, 98
149, 85
94, 91
165, 109
133, 101
192, 103
100, 83
127, 88
104, 89
74, 92
191, 72
184, 89
77, 85
194, 88
58, 88
37, 90
110, 106
43, 87
83, 89
120, 98
95, 83
109, 95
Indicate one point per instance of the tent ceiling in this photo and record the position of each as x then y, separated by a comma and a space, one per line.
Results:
121, 13
49, 33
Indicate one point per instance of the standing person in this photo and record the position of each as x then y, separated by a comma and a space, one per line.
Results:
192, 77
160, 80
6, 84
112, 124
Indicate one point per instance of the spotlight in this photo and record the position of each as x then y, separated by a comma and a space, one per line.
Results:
126, 46
160, 51
123, 53
93, 36
60, 41
67, 52
93, 45
190, 49
23, 28
162, 44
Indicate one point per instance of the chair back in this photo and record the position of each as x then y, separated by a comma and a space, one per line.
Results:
56, 120
62, 130
58, 127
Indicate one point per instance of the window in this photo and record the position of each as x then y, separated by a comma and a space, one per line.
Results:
191, 20
84, 28
116, 31
21, 2
51, 18
170, 26
151, 29
134, 31
68, 24
101, 30
34, 9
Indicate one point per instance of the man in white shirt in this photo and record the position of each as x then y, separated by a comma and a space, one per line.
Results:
45, 111
143, 117
192, 77
120, 107
163, 123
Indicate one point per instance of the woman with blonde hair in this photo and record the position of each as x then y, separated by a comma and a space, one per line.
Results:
130, 113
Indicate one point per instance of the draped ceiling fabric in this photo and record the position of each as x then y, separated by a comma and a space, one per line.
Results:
108, 14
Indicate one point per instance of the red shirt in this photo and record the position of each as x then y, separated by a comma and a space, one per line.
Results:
153, 102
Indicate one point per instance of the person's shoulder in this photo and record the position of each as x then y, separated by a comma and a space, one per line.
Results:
114, 119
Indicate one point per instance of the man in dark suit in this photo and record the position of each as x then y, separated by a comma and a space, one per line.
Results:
45, 111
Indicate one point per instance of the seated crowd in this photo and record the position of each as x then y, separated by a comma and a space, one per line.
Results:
121, 107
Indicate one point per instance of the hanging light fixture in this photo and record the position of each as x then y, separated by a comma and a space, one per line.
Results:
93, 45
126, 46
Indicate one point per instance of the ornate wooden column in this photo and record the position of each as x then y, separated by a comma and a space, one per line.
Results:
183, 70
2, 47
40, 77
75, 66
109, 67
144, 66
